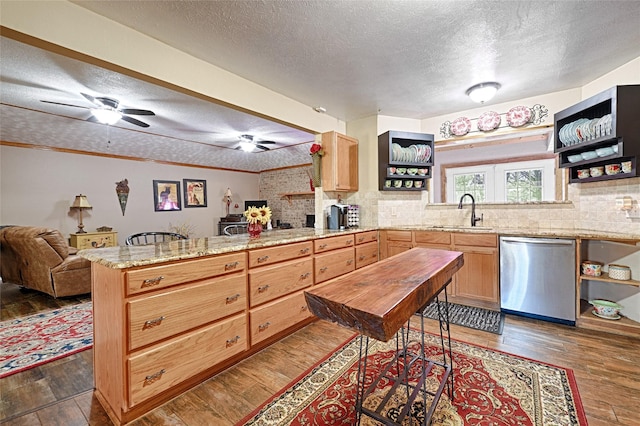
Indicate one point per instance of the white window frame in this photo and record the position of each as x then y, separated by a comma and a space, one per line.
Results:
496, 191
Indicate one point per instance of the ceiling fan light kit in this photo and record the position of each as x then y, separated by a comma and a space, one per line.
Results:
483, 92
247, 146
106, 116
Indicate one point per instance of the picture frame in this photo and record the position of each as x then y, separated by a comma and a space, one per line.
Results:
195, 192
166, 195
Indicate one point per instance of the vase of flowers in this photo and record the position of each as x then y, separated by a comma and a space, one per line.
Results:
257, 217
316, 153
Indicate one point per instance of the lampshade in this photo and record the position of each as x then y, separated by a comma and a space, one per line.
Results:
227, 193
483, 92
81, 202
106, 116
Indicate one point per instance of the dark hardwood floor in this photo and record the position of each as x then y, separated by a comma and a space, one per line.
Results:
606, 366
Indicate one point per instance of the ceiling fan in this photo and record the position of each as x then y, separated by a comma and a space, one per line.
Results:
248, 144
106, 111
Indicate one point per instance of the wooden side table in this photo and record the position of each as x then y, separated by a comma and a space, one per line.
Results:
91, 240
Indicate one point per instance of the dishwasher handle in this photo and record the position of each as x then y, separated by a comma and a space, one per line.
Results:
558, 241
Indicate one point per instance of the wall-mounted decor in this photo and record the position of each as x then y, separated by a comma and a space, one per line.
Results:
518, 116
195, 193
166, 195
122, 189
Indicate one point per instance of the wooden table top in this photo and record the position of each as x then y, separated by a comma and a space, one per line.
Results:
378, 299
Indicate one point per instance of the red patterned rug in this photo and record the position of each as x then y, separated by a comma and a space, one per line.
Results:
491, 388
37, 339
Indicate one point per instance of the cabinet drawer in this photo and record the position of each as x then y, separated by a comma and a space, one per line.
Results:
366, 254
366, 237
398, 235
267, 256
476, 240
275, 317
333, 264
167, 314
94, 240
270, 282
154, 371
332, 243
156, 277
433, 237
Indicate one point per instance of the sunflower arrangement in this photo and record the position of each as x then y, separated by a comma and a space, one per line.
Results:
260, 215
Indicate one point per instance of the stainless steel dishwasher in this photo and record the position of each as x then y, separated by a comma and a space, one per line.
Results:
538, 278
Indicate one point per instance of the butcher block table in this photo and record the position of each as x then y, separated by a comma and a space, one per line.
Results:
377, 301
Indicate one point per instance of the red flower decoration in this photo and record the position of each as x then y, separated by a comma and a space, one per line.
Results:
316, 149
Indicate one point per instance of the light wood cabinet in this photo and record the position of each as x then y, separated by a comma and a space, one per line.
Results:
366, 254
277, 316
90, 240
339, 162
270, 282
334, 263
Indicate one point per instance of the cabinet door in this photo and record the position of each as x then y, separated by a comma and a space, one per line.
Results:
339, 163
366, 254
395, 247
478, 278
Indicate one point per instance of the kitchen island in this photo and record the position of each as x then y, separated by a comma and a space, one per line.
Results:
169, 316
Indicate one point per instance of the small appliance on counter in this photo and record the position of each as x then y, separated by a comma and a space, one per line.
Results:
338, 217
353, 216
311, 221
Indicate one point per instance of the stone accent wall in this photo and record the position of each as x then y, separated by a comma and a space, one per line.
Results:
276, 182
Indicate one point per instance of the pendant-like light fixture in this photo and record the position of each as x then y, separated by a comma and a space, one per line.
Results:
483, 92
106, 116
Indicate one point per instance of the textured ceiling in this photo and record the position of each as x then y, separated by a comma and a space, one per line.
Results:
411, 59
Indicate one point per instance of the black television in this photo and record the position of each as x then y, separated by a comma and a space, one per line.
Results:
255, 203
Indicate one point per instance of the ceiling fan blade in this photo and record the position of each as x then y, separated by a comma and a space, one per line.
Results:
59, 103
264, 148
92, 119
266, 142
134, 121
136, 111
91, 99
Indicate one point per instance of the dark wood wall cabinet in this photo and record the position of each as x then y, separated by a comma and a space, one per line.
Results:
404, 160
599, 138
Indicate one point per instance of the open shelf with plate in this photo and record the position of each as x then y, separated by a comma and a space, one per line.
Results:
599, 138
289, 195
405, 160
609, 252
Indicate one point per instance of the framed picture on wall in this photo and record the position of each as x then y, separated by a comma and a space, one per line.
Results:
166, 195
195, 192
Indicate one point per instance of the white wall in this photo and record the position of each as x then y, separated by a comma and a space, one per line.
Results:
37, 188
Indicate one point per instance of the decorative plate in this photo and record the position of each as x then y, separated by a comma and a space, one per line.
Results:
488, 121
461, 126
518, 116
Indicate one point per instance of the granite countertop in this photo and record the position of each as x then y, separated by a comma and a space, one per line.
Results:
131, 256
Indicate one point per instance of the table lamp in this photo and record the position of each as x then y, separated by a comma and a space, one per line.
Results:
227, 199
80, 203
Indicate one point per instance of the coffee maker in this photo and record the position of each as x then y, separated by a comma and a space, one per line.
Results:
338, 216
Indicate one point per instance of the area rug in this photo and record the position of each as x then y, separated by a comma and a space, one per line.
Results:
37, 339
469, 316
491, 388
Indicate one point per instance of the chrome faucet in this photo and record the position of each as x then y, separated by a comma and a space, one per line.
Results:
474, 219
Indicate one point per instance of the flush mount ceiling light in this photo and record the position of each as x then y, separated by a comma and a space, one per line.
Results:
247, 146
106, 115
483, 92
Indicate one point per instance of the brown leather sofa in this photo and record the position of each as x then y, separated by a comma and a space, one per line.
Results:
41, 259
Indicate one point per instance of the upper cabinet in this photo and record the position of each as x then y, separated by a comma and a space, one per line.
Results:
339, 162
599, 138
404, 161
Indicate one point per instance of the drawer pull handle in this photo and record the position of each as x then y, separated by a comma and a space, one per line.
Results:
305, 275
304, 251
233, 298
361, 239
348, 242
150, 282
324, 269
231, 342
362, 257
263, 288
263, 327
231, 265
322, 246
304, 308
349, 262
152, 323
154, 377
263, 259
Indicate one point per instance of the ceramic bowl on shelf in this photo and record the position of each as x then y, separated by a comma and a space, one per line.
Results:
591, 268
612, 169
412, 171
408, 183
423, 172
417, 184
626, 166
401, 170
619, 272
574, 158
596, 171
397, 183
583, 173
603, 152
606, 308
589, 155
